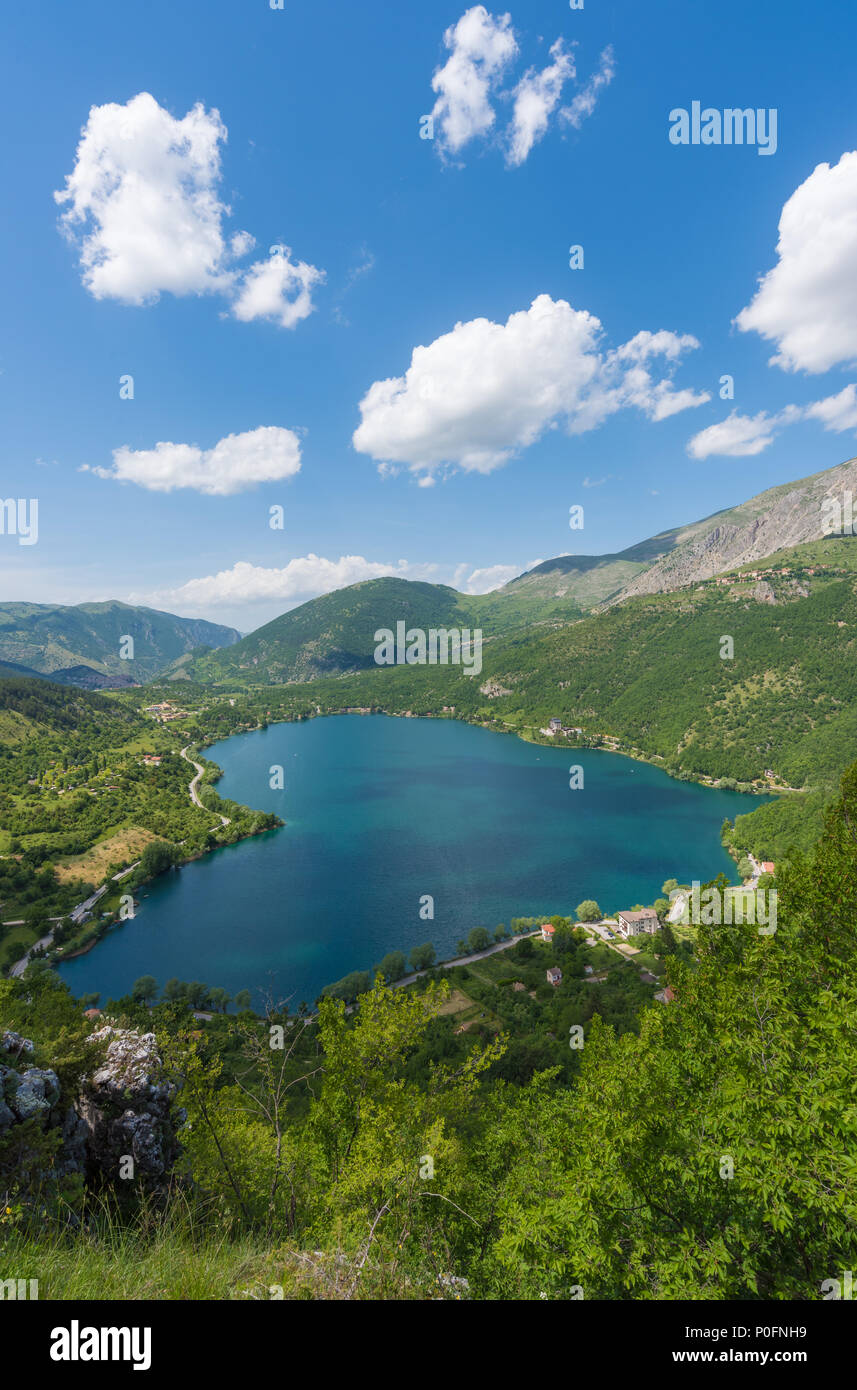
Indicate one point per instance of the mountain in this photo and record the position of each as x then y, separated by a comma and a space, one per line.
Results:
334, 634
81, 645
784, 516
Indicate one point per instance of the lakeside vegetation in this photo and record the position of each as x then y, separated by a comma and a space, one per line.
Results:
703, 1152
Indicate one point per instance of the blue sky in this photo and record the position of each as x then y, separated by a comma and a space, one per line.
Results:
465, 468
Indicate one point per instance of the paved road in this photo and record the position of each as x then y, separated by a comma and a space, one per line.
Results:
194, 794
466, 960
76, 915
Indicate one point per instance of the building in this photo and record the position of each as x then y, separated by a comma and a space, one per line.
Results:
518, 986
555, 725
665, 996
635, 923
548, 932
554, 976
768, 867
588, 970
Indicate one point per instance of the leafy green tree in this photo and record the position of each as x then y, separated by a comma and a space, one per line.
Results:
243, 1000
197, 995
219, 999
145, 990
589, 911
478, 939
393, 966
156, 859
422, 957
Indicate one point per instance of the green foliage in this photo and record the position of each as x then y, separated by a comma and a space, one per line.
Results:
422, 957
589, 911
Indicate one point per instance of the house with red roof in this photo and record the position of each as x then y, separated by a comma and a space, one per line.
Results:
548, 932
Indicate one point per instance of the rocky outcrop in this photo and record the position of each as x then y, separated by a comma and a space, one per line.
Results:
125, 1109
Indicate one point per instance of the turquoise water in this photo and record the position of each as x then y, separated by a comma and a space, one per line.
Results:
380, 812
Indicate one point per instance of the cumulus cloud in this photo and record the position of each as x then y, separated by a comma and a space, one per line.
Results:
481, 48
278, 289
308, 576
143, 207
807, 304
484, 391
837, 412
485, 581
536, 98
238, 462
741, 435
735, 437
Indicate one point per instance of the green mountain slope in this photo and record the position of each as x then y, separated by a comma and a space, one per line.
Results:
335, 633
52, 639
33, 708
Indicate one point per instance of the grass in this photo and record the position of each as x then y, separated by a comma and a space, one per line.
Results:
123, 847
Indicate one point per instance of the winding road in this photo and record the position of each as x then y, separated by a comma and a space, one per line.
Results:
194, 794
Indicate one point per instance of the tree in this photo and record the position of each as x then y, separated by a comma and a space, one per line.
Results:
197, 994
669, 887
243, 1001
174, 990
589, 911
145, 990
745, 868
478, 939
219, 999
156, 859
392, 967
662, 907
349, 988
500, 932
423, 957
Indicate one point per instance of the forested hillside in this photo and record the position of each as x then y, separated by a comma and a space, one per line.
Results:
51, 638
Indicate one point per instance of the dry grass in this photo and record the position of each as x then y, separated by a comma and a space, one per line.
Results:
123, 847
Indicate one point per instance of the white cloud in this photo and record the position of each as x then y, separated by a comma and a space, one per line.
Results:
485, 581
278, 289
837, 412
740, 436
481, 48
143, 206
536, 97
477, 395
807, 304
584, 103
308, 576
238, 462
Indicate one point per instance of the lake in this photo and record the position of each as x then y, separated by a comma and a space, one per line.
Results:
381, 812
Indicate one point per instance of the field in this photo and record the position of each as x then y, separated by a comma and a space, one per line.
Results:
123, 847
